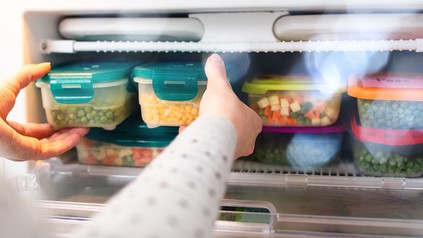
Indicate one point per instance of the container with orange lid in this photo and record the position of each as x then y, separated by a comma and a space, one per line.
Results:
387, 152
294, 101
389, 101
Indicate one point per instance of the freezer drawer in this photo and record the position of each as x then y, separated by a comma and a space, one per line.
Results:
261, 200
258, 202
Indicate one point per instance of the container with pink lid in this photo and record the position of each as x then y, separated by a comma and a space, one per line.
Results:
302, 148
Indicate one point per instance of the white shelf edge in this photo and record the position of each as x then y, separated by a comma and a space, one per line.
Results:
69, 46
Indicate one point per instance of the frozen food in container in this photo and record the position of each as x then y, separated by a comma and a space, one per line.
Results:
130, 144
389, 101
302, 148
387, 152
87, 94
295, 101
170, 92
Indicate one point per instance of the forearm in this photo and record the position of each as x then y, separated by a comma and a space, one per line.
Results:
179, 194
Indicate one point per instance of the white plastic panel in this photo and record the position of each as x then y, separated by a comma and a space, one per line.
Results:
125, 28
220, 5
350, 27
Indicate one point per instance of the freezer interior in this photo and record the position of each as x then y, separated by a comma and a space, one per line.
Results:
262, 200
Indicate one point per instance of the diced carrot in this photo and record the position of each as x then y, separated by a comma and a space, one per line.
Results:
292, 121
267, 112
109, 160
269, 120
310, 114
276, 115
317, 112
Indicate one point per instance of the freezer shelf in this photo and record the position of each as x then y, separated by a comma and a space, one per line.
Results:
73, 193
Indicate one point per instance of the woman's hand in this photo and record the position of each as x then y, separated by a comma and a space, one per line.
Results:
30, 141
220, 100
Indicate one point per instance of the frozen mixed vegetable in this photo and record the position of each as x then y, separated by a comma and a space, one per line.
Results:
296, 108
102, 153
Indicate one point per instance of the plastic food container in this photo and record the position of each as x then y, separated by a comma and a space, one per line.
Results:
131, 144
294, 101
87, 94
389, 101
385, 152
170, 93
302, 148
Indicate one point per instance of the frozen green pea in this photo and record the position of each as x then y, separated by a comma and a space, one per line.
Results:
81, 113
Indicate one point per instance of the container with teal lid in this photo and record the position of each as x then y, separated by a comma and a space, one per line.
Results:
295, 101
87, 94
130, 144
170, 92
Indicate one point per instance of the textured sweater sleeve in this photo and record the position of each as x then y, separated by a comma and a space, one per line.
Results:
179, 193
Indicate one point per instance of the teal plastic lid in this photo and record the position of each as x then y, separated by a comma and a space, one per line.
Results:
175, 81
75, 83
134, 132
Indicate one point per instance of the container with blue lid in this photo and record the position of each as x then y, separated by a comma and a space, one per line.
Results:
130, 144
170, 92
87, 94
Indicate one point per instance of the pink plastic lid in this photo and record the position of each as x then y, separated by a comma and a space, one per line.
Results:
335, 128
386, 136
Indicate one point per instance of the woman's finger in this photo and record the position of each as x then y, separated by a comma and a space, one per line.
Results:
39, 131
26, 75
10, 88
216, 73
30, 148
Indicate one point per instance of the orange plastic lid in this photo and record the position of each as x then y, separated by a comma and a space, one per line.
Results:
386, 136
356, 89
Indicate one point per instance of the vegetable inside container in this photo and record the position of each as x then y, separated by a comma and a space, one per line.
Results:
301, 148
383, 152
294, 101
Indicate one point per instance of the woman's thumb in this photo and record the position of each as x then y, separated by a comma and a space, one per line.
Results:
216, 72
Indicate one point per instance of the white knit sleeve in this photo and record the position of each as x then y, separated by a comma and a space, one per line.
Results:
179, 193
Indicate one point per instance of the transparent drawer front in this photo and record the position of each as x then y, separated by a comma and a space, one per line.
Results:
74, 193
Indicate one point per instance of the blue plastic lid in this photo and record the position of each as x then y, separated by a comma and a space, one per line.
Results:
134, 132
74, 83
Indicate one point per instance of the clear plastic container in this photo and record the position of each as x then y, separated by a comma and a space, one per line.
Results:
170, 93
131, 144
306, 148
390, 153
295, 101
87, 95
389, 101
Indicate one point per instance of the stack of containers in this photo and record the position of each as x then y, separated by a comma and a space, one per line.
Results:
131, 144
87, 94
300, 116
170, 92
302, 148
294, 101
389, 135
